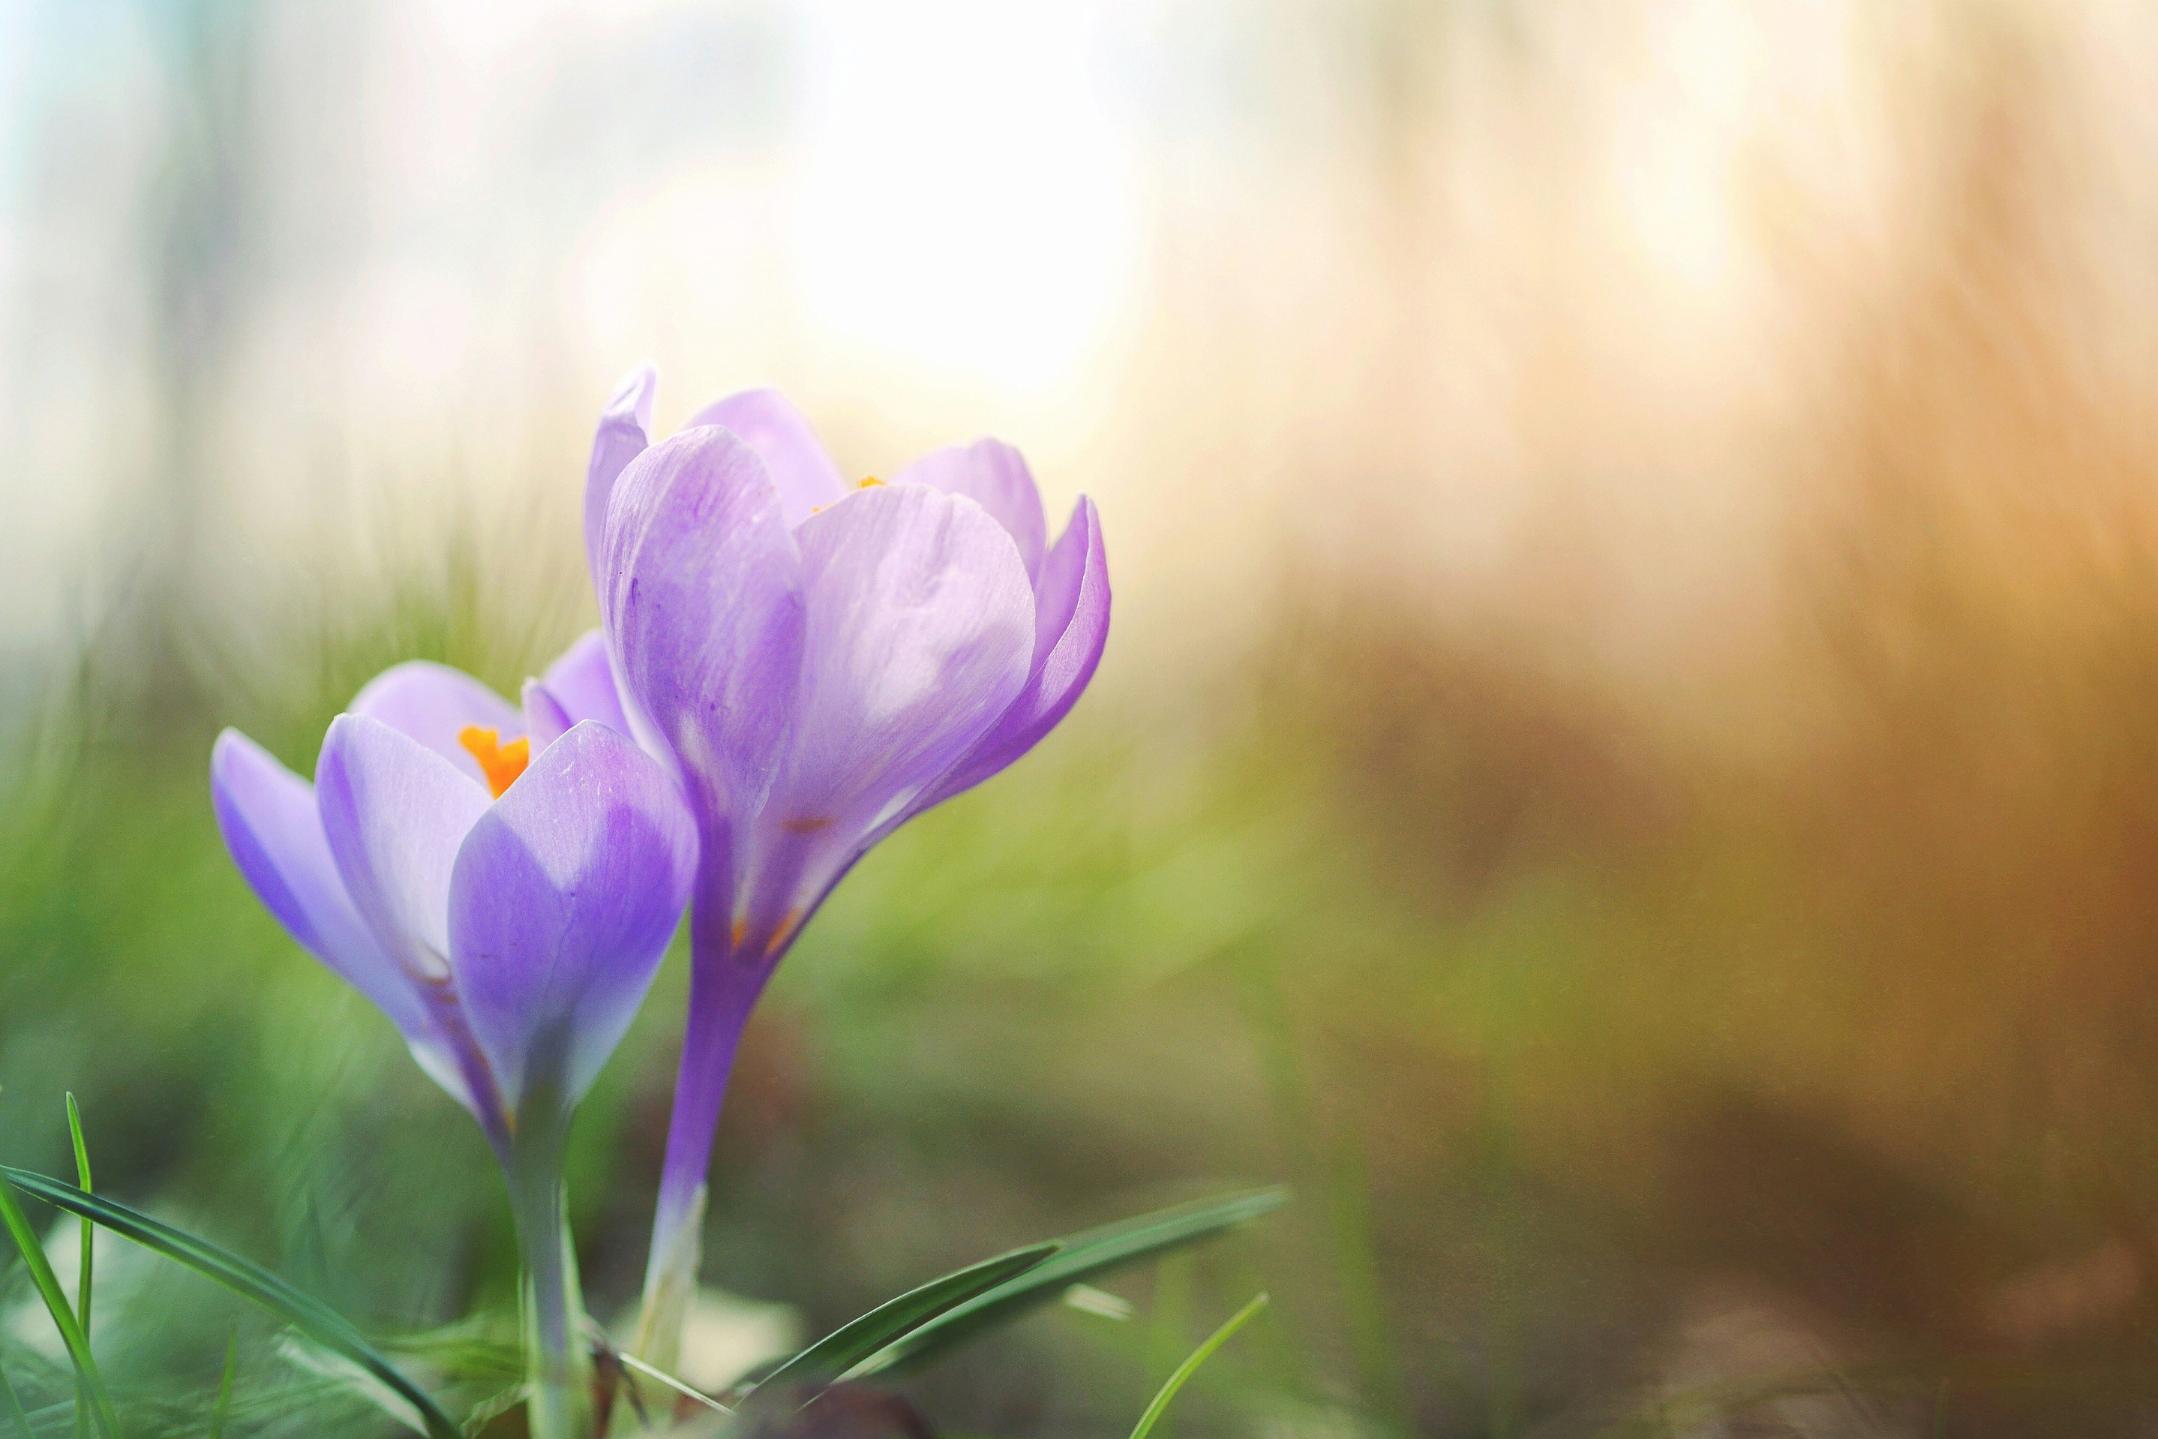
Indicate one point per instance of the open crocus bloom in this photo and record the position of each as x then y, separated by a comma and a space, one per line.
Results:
504, 901
504, 898
820, 661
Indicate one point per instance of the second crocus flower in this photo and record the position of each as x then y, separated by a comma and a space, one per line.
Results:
503, 889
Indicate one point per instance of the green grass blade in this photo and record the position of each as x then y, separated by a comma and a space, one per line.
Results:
1191, 1364
85, 1266
14, 1404
893, 1320
89, 1230
224, 1386
63, 1318
1080, 1256
682, 1387
248, 1280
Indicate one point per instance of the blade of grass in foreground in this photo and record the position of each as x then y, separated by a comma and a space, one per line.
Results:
851, 1343
63, 1318
85, 1266
248, 1280
89, 1230
1191, 1364
1081, 1256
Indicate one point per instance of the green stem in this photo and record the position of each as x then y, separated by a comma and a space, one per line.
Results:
559, 1366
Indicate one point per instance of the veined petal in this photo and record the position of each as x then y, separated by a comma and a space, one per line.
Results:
272, 826
1071, 630
578, 686
268, 817
701, 602
994, 476
801, 469
564, 897
433, 703
921, 629
624, 426
394, 814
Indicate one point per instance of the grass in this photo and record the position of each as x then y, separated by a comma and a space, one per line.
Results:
1181, 1375
94, 1399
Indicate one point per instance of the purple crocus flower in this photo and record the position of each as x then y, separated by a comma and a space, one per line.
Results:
504, 903
821, 661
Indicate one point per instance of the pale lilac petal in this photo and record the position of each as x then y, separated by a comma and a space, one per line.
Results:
268, 817
623, 429
565, 895
433, 704
994, 476
272, 826
801, 469
583, 682
1072, 628
547, 719
395, 814
921, 630
578, 686
701, 601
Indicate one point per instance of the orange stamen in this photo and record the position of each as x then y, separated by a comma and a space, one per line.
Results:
787, 922
500, 762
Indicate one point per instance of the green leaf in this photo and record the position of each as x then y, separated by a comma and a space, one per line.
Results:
248, 1280
1081, 1256
63, 1318
1191, 1364
89, 1230
892, 1321
85, 1266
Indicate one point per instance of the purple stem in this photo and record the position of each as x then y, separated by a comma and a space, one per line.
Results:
723, 988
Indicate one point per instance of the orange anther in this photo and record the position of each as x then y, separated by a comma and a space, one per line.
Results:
500, 762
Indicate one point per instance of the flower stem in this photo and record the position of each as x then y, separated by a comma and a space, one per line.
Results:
559, 1366
723, 988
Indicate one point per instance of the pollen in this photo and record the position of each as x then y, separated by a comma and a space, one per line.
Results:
500, 762
870, 482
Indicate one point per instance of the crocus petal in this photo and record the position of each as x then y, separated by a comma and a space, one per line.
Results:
578, 686
547, 719
623, 428
701, 602
921, 630
1071, 629
268, 817
994, 476
797, 461
563, 899
272, 826
395, 814
433, 704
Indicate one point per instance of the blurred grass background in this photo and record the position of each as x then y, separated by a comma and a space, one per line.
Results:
1625, 771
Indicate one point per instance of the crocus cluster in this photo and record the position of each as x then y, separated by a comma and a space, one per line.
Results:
789, 666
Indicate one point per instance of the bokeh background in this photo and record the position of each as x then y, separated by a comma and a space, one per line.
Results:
1626, 771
